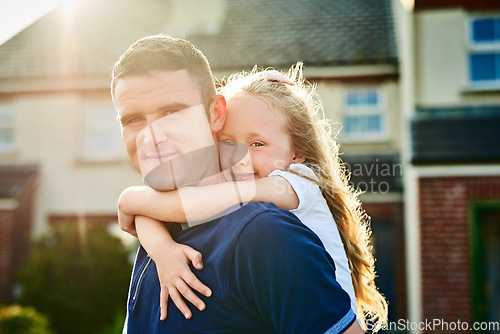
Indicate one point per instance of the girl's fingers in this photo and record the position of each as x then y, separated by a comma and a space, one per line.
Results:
180, 285
195, 257
188, 294
193, 281
179, 302
163, 303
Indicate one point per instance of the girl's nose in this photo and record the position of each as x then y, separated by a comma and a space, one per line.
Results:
246, 160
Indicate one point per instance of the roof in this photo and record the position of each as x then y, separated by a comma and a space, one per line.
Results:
376, 173
268, 33
317, 32
14, 179
87, 43
456, 135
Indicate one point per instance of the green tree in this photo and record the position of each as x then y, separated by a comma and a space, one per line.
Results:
79, 280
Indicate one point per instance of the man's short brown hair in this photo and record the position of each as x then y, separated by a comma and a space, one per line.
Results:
165, 53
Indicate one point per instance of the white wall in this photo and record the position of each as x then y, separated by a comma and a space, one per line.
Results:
441, 54
441, 70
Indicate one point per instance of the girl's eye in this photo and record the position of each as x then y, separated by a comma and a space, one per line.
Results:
229, 143
257, 144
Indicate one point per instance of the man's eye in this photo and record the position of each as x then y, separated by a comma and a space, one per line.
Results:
132, 120
136, 119
167, 112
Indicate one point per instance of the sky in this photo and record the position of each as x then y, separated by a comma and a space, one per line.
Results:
15, 15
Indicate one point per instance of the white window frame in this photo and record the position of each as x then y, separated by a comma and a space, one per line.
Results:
8, 124
99, 120
474, 47
380, 109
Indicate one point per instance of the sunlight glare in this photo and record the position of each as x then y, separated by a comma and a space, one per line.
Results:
17, 15
409, 5
68, 6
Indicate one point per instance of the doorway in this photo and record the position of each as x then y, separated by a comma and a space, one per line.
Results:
485, 262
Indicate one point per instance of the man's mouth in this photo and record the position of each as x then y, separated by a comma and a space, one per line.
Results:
159, 158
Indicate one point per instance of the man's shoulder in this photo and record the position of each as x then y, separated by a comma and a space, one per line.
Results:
234, 220
275, 223
264, 217
245, 225
263, 211
252, 212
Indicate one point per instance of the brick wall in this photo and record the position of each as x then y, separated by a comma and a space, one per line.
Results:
446, 281
393, 212
468, 4
23, 226
6, 251
15, 233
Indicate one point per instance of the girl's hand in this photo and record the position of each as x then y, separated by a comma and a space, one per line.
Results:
126, 221
177, 280
125, 217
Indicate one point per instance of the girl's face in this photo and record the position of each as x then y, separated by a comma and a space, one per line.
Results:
251, 123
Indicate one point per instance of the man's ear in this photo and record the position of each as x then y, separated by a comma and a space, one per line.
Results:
218, 113
299, 158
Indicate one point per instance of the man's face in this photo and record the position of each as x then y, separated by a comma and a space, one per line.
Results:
163, 121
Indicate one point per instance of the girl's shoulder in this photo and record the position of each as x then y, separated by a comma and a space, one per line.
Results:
303, 170
297, 174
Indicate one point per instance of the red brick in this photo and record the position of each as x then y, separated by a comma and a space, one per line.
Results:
444, 224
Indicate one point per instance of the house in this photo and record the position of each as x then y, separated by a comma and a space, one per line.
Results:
451, 98
54, 96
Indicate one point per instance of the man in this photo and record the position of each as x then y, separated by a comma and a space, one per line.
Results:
268, 272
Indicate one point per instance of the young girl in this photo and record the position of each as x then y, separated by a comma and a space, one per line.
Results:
292, 161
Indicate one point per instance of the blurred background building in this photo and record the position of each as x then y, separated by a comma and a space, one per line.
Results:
415, 86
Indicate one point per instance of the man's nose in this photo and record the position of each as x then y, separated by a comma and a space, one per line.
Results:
154, 135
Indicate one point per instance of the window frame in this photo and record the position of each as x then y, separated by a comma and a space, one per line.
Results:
478, 48
380, 110
91, 127
12, 124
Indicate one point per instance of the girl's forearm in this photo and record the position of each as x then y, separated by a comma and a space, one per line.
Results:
190, 204
153, 235
277, 190
144, 201
185, 204
202, 203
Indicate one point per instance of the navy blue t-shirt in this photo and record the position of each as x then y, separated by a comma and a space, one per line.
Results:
268, 273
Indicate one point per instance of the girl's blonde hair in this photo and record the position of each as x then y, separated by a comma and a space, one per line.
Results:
311, 134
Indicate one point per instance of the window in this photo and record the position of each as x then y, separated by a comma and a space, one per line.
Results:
101, 132
484, 52
6, 128
364, 116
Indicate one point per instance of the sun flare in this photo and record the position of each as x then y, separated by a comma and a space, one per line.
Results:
68, 6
